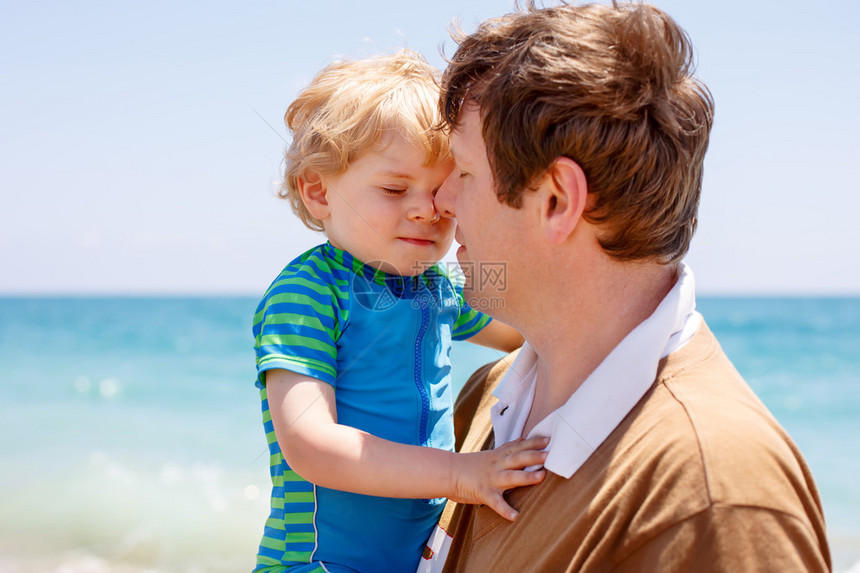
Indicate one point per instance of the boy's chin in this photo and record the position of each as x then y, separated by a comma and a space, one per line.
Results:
417, 268
405, 270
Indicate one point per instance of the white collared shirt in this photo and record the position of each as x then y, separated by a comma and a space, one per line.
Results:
578, 427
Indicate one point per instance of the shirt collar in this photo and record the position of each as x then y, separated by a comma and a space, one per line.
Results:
579, 426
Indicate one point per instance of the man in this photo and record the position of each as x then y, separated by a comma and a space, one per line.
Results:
579, 135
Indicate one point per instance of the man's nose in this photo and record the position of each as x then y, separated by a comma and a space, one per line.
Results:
444, 199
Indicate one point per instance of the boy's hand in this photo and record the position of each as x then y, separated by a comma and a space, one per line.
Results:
483, 477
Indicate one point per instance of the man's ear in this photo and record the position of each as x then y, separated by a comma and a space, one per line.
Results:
312, 189
564, 198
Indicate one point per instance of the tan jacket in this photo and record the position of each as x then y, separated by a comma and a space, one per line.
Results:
699, 476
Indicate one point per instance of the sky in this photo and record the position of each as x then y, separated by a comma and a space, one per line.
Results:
141, 142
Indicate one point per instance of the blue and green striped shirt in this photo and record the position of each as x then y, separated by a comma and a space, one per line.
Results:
382, 341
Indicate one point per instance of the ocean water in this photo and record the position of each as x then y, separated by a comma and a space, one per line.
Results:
130, 434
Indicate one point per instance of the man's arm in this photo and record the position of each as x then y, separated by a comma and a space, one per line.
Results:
341, 457
730, 538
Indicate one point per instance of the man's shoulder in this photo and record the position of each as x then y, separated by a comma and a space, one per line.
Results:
706, 413
697, 448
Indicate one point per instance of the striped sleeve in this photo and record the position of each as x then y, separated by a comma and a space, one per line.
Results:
470, 321
298, 322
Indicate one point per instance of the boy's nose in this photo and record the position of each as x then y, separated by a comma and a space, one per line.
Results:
424, 211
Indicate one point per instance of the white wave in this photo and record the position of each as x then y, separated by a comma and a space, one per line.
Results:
127, 517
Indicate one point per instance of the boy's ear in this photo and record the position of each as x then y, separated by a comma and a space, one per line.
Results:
312, 189
564, 199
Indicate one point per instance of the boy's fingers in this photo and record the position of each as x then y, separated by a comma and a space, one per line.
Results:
521, 478
511, 449
500, 506
525, 459
537, 443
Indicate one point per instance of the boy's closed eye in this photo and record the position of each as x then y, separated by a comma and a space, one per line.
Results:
393, 190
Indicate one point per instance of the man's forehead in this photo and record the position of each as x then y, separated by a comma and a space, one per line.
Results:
454, 140
467, 129
459, 146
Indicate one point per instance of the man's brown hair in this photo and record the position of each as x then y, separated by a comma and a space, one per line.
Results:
610, 87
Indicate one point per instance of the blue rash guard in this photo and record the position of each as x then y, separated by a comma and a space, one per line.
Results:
382, 341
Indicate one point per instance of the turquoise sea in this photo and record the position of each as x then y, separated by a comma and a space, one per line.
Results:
130, 434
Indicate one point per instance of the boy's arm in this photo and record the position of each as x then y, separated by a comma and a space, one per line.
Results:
498, 335
345, 458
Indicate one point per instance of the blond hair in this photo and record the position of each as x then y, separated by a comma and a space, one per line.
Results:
611, 87
352, 105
